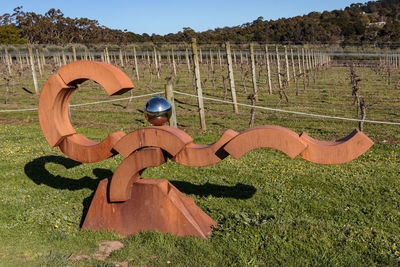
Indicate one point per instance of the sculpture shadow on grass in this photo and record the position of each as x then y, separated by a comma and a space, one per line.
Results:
37, 172
238, 191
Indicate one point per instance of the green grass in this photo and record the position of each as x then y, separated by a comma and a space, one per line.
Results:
271, 210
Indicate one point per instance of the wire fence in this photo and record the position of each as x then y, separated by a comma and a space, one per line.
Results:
220, 101
289, 111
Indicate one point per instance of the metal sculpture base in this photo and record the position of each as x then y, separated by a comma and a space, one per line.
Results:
155, 205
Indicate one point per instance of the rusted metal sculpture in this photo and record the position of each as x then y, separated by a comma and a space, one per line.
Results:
128, 204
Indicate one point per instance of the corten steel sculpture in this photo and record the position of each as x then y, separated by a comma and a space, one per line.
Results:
128, 204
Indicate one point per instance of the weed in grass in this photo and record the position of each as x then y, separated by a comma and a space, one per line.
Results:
54, 259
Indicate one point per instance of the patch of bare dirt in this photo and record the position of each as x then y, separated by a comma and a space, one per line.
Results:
122, 264
105, 250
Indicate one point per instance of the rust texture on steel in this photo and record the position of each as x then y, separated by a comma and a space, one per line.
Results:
128, 204
182, 150
54, 115
157, 206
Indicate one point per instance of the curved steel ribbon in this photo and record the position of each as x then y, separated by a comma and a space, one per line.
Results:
267, 136
170, 139
194, 155
180, 148
53, 108
129, 170
337, 152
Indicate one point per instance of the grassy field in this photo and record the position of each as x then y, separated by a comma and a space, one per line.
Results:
271, 210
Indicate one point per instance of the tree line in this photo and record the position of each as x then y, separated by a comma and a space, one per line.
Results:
54, 28
372, 23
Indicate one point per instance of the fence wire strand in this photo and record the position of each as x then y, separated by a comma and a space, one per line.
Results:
289, 111
90, 103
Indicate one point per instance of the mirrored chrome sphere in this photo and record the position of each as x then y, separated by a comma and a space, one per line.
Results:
157, 110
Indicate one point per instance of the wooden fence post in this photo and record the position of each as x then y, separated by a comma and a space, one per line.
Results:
305, 68
8, 62
156, 63
198, 85
135, 62
310, 54
253, 71
27, 59
33, 70
74, 52
159, 60
10, 59
56, 59
287, 66
187, 60
20, 60
42, 61
300, 71
268, 70
148, 58
293, 67
106, 56
231, 77
39, 64
314, 59
173, 62
212, 60
121, 59
169, 95
200, 56
278, 65
84, 56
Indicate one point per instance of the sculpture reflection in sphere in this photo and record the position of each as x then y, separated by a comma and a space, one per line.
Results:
157, 110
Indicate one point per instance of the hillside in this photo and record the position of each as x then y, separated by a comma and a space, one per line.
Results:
375, 22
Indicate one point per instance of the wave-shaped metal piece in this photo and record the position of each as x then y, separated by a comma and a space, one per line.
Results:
179, 147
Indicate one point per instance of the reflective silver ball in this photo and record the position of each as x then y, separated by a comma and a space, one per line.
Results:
157, 110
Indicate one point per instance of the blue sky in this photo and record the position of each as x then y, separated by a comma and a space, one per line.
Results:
170, 16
